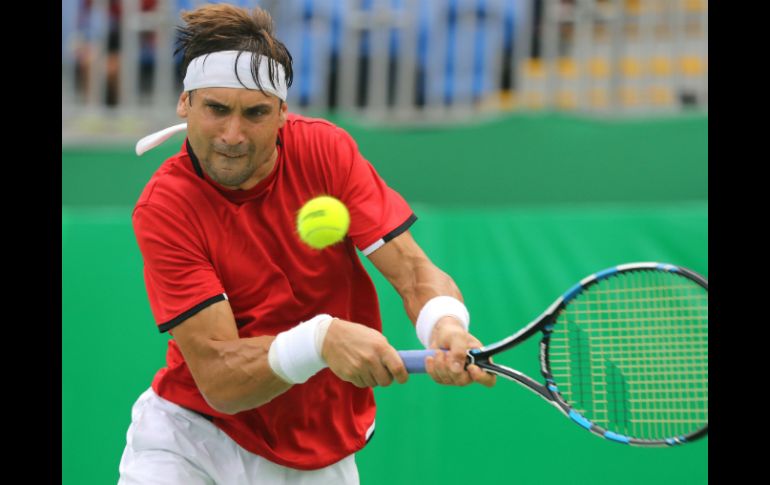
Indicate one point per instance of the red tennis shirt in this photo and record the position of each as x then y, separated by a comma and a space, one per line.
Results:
203, 243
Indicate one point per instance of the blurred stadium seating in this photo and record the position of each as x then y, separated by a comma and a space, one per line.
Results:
396, 61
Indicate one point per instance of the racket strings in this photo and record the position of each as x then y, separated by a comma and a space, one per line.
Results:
631, 354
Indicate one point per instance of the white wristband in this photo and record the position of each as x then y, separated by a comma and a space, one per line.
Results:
295, 355
434, 310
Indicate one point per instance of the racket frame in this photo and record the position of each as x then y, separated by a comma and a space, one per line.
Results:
545, 324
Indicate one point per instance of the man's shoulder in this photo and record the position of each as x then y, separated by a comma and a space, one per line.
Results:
307, 126
302, 121
169, 185
303, 133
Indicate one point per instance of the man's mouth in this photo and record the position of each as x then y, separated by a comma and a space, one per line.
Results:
231, 156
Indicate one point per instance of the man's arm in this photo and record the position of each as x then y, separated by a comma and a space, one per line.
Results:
232, 373
417, 280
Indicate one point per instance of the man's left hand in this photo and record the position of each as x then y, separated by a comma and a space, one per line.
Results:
448, 367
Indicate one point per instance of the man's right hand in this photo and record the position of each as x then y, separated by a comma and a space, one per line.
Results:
361, 355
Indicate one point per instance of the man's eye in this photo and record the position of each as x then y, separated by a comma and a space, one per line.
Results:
217, 108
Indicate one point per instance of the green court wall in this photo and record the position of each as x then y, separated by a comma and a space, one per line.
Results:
533, 159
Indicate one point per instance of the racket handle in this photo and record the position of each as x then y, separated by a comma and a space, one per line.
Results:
414, 360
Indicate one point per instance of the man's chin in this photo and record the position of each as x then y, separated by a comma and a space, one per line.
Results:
226, 177
230, 183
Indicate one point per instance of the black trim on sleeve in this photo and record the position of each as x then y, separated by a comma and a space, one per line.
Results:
370, 438
165, 327
400, 229
194, 159
204, 416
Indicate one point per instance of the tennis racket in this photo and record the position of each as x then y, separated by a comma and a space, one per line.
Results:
623, 353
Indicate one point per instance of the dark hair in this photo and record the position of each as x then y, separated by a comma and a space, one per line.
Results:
224, 27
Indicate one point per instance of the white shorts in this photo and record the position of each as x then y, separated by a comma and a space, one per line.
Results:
168, 444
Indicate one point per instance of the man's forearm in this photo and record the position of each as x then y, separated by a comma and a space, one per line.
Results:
238, 377
429, 281
412, 274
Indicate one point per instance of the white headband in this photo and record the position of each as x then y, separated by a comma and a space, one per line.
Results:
218, 70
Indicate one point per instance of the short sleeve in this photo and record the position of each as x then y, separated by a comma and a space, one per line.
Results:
178, 274
377, 212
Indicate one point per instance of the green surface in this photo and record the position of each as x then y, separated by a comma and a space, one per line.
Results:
510, 265
516, 211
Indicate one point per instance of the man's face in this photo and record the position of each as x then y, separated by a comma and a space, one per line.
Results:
233, 132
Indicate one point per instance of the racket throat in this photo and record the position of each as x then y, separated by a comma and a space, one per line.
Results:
516, 376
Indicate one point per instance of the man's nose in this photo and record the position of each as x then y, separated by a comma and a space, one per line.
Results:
232, 132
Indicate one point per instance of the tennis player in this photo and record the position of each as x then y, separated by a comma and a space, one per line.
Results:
276, 346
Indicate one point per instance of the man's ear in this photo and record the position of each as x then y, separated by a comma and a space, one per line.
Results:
183, 105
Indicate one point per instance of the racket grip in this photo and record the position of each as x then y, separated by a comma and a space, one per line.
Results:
414, 360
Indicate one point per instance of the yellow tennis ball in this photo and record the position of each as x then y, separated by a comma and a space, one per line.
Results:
323, 221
